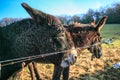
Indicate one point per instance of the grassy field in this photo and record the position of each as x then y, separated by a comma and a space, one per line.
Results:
84, 68
111, 31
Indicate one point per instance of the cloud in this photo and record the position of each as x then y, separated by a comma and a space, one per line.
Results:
70, 8
97, 5
67, 10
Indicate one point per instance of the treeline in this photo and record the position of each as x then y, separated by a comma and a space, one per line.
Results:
7, 21
113, 13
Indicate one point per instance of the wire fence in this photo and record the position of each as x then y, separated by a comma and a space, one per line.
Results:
23, 59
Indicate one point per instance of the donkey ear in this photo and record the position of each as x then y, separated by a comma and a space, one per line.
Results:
40, 17
101, 23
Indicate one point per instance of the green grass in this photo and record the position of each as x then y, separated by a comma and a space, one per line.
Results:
111, 31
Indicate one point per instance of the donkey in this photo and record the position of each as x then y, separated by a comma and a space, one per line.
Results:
88, 35
46, 35
82, 35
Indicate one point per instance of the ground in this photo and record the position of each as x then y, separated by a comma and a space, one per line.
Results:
84, 68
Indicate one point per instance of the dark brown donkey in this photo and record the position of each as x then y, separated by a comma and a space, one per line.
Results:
83, 35
46, 35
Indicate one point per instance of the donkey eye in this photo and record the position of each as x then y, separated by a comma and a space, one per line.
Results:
61, 35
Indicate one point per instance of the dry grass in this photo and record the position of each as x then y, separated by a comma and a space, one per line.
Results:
85, 69
99, 69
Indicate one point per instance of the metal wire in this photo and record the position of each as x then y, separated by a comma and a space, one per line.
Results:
23, 59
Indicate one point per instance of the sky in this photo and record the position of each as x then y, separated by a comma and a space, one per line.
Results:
13, 8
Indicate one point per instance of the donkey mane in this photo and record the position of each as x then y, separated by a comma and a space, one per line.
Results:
81, 29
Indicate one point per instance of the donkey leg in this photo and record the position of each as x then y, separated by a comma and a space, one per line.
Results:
66, 73
36, 71
57, 72
30, 66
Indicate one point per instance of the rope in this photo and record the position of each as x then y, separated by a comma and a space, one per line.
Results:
18, 60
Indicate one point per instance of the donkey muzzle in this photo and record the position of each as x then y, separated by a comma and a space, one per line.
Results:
70, 60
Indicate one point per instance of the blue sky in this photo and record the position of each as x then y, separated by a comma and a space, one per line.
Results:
13, 8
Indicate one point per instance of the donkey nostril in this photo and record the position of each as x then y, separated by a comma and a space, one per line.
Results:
100, 55
75, 57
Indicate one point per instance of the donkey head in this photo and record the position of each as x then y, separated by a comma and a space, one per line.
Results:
57, 32
88, 34
95, 47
